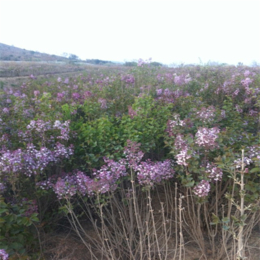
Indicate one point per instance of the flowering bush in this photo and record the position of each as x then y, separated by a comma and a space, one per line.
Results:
70, 136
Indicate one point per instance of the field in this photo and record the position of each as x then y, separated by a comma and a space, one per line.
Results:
141, 162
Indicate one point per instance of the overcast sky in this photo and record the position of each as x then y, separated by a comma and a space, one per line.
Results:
173, 31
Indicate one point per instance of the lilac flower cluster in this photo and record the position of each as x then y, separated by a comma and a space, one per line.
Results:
150, 173
3, 255
170, 96
64, 129
107, 176
253, 155
142, 62
246, 82
128, 79
60, 96
76, 96
132, 113
176, 122
39, 125
133, 154
202, 189
254, 152
105, 179
206, 115
239, 109
206, 137
31, 160
182, 79
183, 150
63, 186
11, 161
214, 172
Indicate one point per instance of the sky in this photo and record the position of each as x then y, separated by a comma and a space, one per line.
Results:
168, 31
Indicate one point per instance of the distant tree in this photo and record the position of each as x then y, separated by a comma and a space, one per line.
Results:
156, 64
130, 64
98, 62
73, 57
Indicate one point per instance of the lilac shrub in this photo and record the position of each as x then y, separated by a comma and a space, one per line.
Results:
148, 173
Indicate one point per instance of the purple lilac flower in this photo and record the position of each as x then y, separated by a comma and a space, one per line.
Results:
214, 172
59, 79
87, 94
177, 121
75, 96
238, 109
183, 156
64, 129
3, 255
61, 151
206, 114
247, 73
11, 161
129, 79
202, 189
5, 110
141, 62
253, 112
132, 113
133, 154
39, 125
36, 93
160, 78
206, 137
65, 187
238, 162
182, 79
66, 81
253, 155
159, 92
107, 176
236, 92
60, 96
246, 82
150, 173
179, 142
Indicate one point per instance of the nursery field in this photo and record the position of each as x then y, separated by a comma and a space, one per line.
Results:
139, 163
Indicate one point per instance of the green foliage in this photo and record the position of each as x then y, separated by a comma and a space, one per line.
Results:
17, 235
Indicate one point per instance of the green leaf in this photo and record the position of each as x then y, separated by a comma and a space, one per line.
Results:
189, 184
257, 169
16, 246
225, 227
3, 211
225, 220
215, 219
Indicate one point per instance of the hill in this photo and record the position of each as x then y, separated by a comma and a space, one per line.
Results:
11, 53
